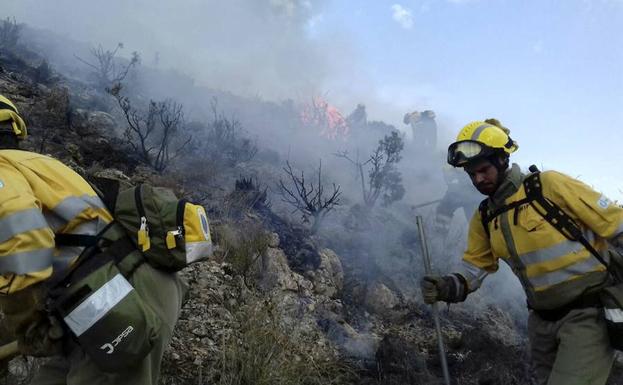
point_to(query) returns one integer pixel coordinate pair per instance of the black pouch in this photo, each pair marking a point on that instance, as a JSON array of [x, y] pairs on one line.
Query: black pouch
[[106, 315], [612, 301]]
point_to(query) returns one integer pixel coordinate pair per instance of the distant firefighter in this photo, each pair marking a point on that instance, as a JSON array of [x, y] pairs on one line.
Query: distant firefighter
[[359, 117], [424, 128]]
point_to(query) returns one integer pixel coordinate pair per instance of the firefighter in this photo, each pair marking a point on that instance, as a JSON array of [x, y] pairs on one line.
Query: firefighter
[[41, 200], [12, 126], [561, 278], [424, 129]]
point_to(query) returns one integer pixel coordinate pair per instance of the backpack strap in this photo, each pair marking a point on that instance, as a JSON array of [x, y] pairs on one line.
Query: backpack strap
[[107, 190], [486, 216], [80, 240], [554, 215]]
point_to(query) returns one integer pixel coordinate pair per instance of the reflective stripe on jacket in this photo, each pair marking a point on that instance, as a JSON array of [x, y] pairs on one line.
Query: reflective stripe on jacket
[[552, 269], [39, 196]]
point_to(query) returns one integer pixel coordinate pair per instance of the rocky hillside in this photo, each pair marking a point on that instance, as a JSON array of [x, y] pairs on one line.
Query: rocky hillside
[[276, 305]]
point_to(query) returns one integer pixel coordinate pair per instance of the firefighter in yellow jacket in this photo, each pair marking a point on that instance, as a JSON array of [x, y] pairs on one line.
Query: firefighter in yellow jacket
[[12, 125], [41, 198], [561, 278]]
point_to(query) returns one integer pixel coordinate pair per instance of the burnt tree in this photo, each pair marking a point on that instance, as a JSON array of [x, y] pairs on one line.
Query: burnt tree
[[309, 198], [108, 69], [9, 33], [152, 133], [383, 178]]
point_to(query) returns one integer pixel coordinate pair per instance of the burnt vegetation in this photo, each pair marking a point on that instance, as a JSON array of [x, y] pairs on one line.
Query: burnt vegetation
[[9, 34], [156, 133], [109, 70], [378, 174], [309, 197], [222, 141]]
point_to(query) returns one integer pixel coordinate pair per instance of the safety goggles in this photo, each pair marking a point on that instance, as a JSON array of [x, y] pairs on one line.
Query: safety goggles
[[462, 152]]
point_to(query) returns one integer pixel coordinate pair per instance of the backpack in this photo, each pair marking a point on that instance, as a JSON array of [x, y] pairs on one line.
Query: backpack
[[171, 233], [95, 298]]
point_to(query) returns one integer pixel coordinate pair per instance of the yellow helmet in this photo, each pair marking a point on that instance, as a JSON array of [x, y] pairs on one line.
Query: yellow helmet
[[478, 140], [10, 115]]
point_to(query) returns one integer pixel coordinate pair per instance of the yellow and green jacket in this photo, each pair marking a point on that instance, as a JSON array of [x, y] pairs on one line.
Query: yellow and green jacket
[[41, 197], [552, 269]]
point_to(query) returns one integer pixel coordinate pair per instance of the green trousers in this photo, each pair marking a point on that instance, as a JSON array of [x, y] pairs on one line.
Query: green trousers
[[572, 351], [162, 291]]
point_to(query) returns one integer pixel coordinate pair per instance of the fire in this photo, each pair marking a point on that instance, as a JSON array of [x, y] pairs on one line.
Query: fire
[[328, 119]]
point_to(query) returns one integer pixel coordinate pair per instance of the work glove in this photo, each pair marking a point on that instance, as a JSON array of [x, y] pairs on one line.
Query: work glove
[[37, 333], [42, 338], [434, 288], [449, 288]]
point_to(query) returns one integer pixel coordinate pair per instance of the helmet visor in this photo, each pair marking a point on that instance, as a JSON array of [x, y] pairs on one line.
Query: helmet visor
[[462, 152]]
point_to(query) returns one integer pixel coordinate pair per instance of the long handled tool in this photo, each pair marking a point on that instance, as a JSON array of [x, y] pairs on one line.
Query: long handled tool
[[9, 350], [427, 267]]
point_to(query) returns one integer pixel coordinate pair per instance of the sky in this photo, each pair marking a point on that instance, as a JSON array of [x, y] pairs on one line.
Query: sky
[[550, 70]]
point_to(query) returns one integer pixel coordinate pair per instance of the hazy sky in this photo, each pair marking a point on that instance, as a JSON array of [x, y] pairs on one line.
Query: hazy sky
[[549, 70]]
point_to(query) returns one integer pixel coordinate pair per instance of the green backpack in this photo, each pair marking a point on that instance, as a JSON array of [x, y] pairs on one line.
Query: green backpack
[[95, 297], [171, 233]]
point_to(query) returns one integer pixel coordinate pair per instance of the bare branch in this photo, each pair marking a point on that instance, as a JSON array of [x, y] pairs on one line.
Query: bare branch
[[151, 133], [108, 69], [383, 176], [308, 198]]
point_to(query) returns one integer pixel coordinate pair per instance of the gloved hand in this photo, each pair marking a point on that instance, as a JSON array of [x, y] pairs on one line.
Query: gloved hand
[[37, 333], [434, 288], [449, 288], [42, 338]]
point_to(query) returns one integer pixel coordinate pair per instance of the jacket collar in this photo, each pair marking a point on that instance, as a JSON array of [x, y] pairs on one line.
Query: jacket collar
[[513, 179]]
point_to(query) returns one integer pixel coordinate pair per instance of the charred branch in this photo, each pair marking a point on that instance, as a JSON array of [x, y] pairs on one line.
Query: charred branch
[[309, 198], [383, 177], [107, 67], [152, 133], [9, 33]]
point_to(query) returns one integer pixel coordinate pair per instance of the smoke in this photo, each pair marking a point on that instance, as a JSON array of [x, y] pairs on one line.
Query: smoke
[[264, 50], [248, 47]]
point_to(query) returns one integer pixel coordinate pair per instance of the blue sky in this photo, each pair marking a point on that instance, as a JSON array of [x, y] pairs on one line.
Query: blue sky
[[552, 71]]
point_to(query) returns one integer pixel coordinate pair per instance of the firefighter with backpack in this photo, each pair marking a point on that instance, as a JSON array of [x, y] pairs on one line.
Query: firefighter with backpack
[[90, 280], [556, 234]]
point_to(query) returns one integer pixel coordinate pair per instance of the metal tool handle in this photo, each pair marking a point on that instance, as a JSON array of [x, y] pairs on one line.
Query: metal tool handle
[[435, 310]]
